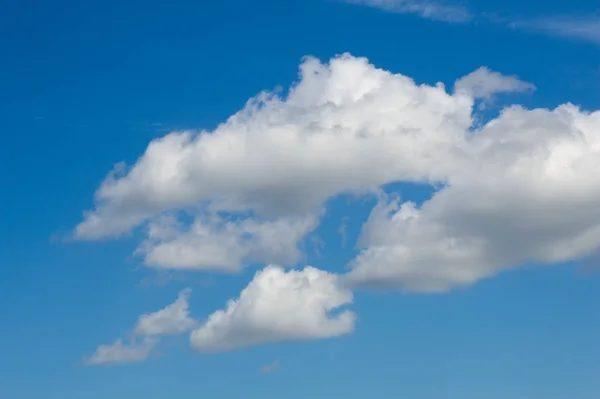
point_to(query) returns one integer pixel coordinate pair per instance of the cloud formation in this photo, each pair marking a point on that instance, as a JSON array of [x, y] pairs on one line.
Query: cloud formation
[[120, 353], [172, 319], [529, 195], [212, 243], [279, 306], [484, 83], [427, 9], [580, 26], [260, 180], [346, 126], [586, 28]]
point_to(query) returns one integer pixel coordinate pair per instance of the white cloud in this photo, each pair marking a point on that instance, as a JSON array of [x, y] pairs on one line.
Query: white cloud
[[530, 195], [278, 306], [212, 243], [424, 8], [119, 353], [173, 319], [484, 83], [581, 28], [521, 188], [345, 126]]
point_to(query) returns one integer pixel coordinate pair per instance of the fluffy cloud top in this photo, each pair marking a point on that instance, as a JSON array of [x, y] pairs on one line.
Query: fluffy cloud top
[[278, 306], [173, 319], [346, 126], [484, 83]]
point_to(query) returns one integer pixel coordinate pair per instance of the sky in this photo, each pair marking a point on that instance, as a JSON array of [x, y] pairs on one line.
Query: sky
[[316, 199]]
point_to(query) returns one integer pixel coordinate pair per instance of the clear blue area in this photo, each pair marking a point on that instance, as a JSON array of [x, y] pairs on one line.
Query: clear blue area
[[86, 84]]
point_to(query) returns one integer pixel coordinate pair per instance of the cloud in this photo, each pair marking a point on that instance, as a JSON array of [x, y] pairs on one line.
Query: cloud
[[173, 319], [529, 196], [426, 9], [519, 189], [212, 243], [273, 164], [484, 83], [279, 306], [578, 27], [119, 353], [572, 27], [269, 368], [346, 126]]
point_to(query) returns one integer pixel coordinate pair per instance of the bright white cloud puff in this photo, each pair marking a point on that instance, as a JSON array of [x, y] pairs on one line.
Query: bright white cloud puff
[[279, 306]]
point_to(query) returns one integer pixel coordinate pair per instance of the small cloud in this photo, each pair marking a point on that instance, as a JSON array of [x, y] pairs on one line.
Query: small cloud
[[425, 9], [269, 368], [276, 306], [484, 83], [343, 231], [120, 353], [173, 319], [583, 28]]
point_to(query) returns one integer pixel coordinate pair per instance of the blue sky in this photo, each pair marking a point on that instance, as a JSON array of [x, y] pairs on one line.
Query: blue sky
[[512, 313]]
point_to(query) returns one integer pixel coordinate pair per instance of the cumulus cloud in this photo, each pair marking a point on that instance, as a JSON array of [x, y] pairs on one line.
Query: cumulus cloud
[[484, 83], [346, 126], [424, 8], [530, 195], [212, 243], [279, 306], [173, 319], [119, 353], [521, 188]]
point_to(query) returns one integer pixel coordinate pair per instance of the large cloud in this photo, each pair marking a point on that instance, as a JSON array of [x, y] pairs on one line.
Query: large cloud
[[521, 188], [345, 126], [279, 306], [531, 195]]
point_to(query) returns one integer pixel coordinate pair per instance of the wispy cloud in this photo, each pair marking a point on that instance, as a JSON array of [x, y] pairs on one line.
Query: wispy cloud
[[170, 320], [120, 353], [268, 368], [426, 9], [580, 28]]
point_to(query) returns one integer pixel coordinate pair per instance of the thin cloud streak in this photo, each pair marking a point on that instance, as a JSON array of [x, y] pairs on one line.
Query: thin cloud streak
[[425, 9], [584, 28]]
